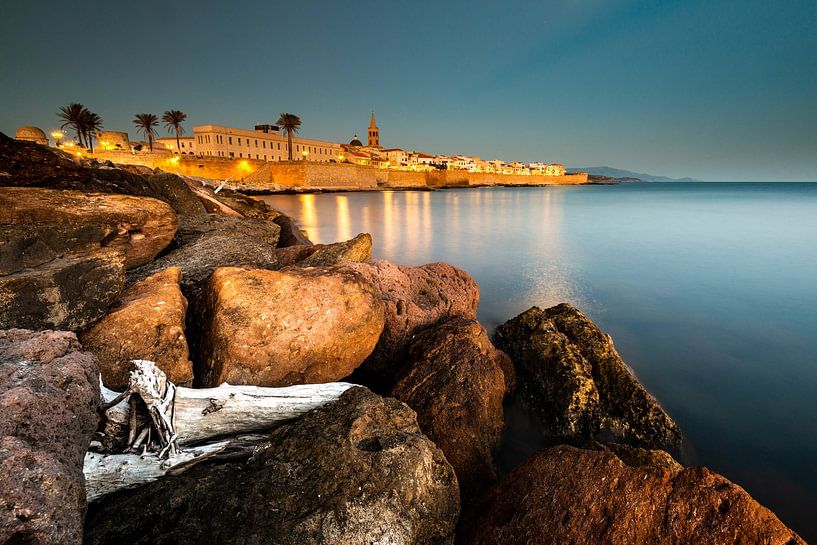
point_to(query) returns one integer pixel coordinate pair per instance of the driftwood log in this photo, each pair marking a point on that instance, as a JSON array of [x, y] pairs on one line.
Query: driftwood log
[[156, 428]]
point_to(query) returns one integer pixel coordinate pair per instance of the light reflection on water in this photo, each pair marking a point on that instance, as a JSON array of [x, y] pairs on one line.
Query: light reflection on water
[[709, 290]]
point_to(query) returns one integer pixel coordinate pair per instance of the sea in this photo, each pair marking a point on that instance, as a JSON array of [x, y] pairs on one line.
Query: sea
[[709, 291]]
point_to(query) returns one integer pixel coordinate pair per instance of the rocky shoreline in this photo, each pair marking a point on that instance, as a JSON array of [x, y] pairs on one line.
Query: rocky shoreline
[[102, 266]]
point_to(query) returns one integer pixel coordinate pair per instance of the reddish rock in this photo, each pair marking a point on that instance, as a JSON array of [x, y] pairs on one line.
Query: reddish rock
[[70, 292], [295, 326], [456, 384], [70, 221], [415, 298], [147, 324], [49, 393], [566, 495], [572, 376], [357, 471]]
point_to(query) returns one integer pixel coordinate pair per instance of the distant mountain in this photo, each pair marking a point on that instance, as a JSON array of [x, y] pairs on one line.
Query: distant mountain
[[610, 172]]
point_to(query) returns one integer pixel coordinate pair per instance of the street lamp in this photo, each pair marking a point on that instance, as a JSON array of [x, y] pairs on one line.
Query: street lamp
[[57, 135], [305, 154]]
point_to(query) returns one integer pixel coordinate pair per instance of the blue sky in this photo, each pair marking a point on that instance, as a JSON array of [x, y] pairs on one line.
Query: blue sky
[[714, 90]]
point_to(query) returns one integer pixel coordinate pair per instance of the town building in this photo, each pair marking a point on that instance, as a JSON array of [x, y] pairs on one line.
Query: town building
[[186, 144], [31, 134], [374, 133], [264, 142]]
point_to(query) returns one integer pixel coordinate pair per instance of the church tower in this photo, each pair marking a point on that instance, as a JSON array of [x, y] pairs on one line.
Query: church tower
[[374, 133]]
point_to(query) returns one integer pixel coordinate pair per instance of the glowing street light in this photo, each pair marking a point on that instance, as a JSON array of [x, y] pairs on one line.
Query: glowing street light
[[57, 135], [305, 154]]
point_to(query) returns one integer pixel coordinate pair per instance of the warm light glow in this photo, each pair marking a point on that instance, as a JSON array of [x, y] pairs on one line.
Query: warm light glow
[[69, 144], [305, 153], [244, 165], [175, 160], [57, 135]]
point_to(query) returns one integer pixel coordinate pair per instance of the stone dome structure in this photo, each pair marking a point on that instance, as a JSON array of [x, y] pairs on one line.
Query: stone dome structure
[[355, 142], [31, 134]]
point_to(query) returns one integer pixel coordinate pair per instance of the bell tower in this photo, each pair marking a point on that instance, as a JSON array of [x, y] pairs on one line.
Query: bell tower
[[374, 133]]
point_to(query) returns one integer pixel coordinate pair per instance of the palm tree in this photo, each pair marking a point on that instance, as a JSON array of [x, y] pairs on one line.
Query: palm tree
[[146, 124], [173, 119], [90, 123], [290, 123], [72, 116]]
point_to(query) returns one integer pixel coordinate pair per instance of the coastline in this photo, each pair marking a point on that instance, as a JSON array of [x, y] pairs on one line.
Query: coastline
[[201, 284]]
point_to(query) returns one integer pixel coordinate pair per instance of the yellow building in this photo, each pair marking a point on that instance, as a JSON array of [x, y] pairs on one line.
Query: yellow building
[[265, 142]]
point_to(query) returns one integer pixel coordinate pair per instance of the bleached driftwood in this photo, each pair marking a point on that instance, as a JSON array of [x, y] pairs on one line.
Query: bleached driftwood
[[108, 473], [159, 419], [205, 413]]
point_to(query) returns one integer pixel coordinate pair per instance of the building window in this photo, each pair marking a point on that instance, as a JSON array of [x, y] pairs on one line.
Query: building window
[[230, 139], [239, 140], [256, 143], [241, 154], [232, 154]]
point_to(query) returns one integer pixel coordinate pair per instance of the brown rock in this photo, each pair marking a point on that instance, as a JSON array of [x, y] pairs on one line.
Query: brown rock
[[291, 233], [455, 382], [566, 495], [354, 472], [358, 249], [25, 164], [191, 228], [49, 393], [70, 221], [290, 255], [204, 252], [172, 189], [69, 293], [415, 298], [572, 376], [296, 326], [147, 324]]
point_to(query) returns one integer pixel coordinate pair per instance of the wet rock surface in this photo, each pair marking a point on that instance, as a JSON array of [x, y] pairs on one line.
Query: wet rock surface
[[567, 495], [147, 323], [455, 382], [295, 326], [356, 471], [414, 298], [59, 222], [49, 392], [572, 376], [68, 293]]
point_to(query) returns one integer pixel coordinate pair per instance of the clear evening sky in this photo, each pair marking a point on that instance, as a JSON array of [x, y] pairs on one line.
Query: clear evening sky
[[718, 90]]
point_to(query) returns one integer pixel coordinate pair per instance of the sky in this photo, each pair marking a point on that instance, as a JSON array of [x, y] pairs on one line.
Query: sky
[[713, 90]]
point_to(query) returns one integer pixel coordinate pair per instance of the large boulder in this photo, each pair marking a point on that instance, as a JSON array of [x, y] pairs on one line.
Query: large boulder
[[291, 233], [456, 384], [358, 249], [567, 495], [354, 472], [70, 292], [49, 393], [147, 324], [193, 227], [415, 298], [205, 250], [572, 376], [59, 222], [25, 164], [295, 326], [172, 189]]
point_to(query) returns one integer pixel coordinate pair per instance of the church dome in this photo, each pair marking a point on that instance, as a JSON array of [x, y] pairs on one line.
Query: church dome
[[31, 134], [355, 142]]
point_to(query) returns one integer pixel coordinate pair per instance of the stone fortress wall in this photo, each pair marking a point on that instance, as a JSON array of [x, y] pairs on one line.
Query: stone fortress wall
[[259, 175]]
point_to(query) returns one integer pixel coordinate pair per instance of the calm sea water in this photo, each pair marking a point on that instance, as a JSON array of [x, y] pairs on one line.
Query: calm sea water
[[709, 291]]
